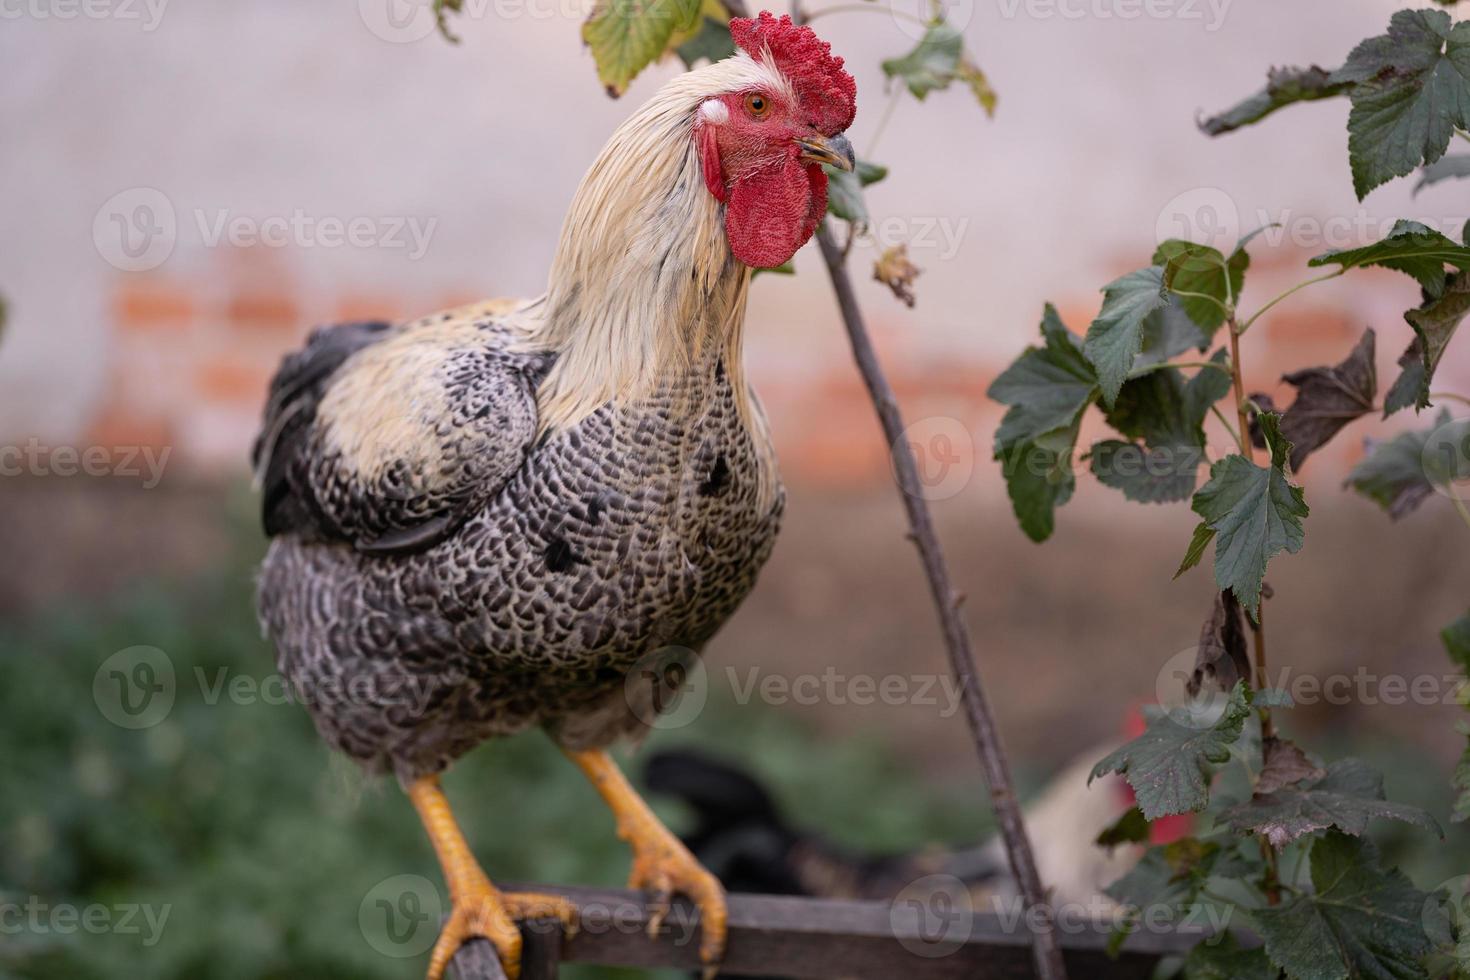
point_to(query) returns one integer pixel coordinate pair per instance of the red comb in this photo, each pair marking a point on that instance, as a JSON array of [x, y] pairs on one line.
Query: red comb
[[825, 90]]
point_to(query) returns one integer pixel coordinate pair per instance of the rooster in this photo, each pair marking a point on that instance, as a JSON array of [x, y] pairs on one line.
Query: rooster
[[490, 520]]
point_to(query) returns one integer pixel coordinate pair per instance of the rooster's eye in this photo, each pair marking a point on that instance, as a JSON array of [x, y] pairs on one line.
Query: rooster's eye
[[757, 105]]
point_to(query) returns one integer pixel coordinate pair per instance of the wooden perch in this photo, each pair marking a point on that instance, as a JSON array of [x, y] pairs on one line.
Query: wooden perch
[[808, 938]]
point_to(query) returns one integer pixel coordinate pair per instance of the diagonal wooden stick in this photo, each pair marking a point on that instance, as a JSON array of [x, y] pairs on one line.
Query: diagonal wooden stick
[[1040, 917]]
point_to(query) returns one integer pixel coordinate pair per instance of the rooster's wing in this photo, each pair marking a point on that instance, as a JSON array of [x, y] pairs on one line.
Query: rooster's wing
[[388, 437]]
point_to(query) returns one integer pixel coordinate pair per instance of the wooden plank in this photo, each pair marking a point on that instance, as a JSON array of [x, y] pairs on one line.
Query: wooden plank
[[815, 938]]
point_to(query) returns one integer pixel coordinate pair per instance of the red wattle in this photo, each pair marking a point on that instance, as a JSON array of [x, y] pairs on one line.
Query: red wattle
[[709, 162], [773, 213]]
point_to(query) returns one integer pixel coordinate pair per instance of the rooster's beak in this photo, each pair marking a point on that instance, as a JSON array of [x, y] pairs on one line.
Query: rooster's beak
[[834, 151]]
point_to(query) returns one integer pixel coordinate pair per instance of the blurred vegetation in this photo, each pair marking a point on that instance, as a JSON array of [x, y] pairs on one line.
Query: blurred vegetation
[[263, 845]]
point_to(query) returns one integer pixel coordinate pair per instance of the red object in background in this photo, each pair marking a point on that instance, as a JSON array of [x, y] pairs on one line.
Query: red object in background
[[1164, 830]]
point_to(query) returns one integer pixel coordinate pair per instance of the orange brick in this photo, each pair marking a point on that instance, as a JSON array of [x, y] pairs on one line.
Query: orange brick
[[230, 381], [263, 311], [152, 305], [116, 425]]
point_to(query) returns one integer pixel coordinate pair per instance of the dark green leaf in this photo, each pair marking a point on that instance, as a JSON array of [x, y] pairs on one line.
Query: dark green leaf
[[1412, 385], [1436, 323], [1047, 389], [1456, 637], [1221, 958], [1410, 89], [845, 198], [1170, 876], [1167, 413], [1400, 474], [1327, 399], [1167, 333], [1446, 168], [1461, 780], [1410, 248], [627, 35], [932, 65], [870, 173], [1170, 765], [1038, 481], [1284, 86], [1198, 542], [712, 42], [1257, 513], [1361, 921], [1347, 797], [1130, 828], [1116, 336], [1194, 268]]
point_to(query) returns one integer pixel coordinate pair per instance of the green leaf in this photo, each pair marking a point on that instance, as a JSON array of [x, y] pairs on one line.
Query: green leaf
[[1361, 921], [1410, 89], [1411, 387], [1347, 798], [1167, 333], [1221, 958], [1327, 399], [1257, 512], [1047, 388], [1198, 542], [1435, 324], [1167, 413], [932, 65], [1170, 765], [1461, 780], [1400, 474], [712, 42], [1446, 168], [1456, 637], [845, 198], [1130, 828], [1194, 268], [1284, 86], [869, 173], [1116, 336], [441, 8], [1170, 876], [627, 35], [1410, 248], [1038, 481]]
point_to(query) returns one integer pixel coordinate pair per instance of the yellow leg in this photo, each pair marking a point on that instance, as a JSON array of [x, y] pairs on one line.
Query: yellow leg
[[661, 863], [478, 907]]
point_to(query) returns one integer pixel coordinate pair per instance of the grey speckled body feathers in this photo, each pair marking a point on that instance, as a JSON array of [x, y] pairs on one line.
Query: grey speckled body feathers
[[443, 570]]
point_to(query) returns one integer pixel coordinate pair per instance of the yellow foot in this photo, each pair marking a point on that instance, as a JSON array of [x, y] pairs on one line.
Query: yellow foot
[[661, 863], [664, 866], [488, 913]]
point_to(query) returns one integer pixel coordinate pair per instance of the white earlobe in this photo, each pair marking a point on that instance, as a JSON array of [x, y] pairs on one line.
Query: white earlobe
[[714, 111]]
